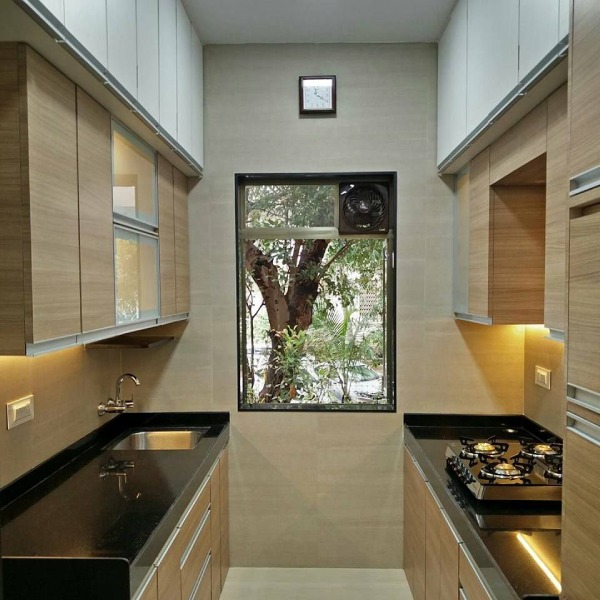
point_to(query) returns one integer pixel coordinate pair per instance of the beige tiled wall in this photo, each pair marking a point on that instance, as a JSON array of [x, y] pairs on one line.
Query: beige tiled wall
[[547, 407], [67, 388], [326, 489]]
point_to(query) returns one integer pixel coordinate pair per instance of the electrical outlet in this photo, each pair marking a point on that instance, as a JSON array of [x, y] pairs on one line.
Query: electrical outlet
[[19, 411], [542, 377]]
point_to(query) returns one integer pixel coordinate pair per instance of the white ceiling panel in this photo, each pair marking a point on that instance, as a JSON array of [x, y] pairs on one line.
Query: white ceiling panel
[[318, 21]]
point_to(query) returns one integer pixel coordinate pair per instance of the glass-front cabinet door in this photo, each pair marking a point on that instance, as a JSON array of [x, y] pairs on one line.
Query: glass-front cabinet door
[[135, 217]]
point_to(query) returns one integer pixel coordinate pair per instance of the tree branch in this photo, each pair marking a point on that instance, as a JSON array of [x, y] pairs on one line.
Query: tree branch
[[337, 255]]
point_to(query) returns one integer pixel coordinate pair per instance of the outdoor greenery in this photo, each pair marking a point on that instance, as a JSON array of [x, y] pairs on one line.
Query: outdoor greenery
[[314, 317]]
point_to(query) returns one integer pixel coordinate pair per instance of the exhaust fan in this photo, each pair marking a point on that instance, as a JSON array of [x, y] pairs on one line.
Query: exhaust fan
[[364, 208]]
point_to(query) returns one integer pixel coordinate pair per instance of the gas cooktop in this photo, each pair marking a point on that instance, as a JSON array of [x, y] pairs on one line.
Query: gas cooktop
[[507, 469]]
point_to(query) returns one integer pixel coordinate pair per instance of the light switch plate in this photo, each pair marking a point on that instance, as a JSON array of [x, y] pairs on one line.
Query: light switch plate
[[542, 377], [19, 411]]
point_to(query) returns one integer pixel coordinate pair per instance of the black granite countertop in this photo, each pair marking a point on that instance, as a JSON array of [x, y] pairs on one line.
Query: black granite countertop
[[505, 565], [108, 506]]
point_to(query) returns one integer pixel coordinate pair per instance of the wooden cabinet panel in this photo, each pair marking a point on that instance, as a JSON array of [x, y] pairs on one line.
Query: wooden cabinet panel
[[184, 77], [166, 228], [518, 262], [557, 193], [415, 494], [224, 500], [167, 49], [480, 235], [449, 562], [12, 304], [182, 250], [493, 32], [584, 299], [150, 590], [433, 523], [195, 557], [538, 32], [584, 82], [122, 42], [215, 534], [195, 514], [520, 144], [49, 147], [580, 577], [203, 591], [452, 82], [469, 580], [95, 215], [147, 56], [87, 22], [168, 568]]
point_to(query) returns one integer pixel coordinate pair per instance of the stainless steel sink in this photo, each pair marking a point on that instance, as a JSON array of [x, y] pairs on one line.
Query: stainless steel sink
[[174, 439]]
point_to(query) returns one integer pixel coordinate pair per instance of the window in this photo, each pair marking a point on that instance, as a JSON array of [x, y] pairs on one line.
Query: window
[[315, 308], [135, 218]]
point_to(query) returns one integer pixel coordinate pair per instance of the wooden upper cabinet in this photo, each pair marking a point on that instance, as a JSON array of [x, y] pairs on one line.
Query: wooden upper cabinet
[[166, 228], [182, 250], [584, 299], [557, 194], [39, 268], [480, 236], [584, 89], [95, 215]]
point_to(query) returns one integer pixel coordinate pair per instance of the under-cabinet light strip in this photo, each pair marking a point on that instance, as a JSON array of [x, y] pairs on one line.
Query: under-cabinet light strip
[[540, 563]]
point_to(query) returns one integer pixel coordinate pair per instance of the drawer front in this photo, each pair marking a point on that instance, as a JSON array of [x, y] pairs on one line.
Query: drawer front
[[195, 513], [202, 590], [149, 589], [169, 582], [195, 556], [471, 586]]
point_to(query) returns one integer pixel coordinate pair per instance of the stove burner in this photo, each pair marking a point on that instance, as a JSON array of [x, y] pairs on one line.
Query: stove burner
[[532, 449], [553, 469], [473, 449], [505, 470]]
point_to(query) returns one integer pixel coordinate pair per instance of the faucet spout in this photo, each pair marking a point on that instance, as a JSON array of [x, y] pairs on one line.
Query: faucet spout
[[118, 404]]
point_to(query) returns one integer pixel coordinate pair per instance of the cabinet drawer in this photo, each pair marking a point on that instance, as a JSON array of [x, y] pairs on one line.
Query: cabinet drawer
[[195, 557], [168, 562], [194, 514], [202, 590], [149, 588], [471, 586]]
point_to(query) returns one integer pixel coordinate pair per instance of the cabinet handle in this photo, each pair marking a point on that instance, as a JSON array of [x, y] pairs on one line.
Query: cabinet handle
[[583, 397], [583, 428], [585, 181], [463, 594]]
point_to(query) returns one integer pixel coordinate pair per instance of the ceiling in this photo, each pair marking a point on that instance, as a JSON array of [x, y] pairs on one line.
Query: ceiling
[[318, 21]]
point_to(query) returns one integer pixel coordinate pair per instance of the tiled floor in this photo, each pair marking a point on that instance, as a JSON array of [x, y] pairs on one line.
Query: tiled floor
[[315, 584]]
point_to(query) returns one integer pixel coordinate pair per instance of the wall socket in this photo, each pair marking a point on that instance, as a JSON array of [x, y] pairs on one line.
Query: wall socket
[[542, 377], [19, 411]]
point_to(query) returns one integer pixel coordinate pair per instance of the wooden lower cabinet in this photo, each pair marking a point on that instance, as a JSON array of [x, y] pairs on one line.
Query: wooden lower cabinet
[[471, 587], [580, 576], [149, 589], [431, 548], [189, 567]]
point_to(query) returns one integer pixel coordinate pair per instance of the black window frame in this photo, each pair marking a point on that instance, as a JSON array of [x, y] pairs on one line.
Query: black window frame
[[386, 177]]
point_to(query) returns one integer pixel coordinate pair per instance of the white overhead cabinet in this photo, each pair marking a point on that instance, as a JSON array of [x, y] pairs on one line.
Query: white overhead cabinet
[[122, 45], [167, 46], [87, 22], [197, 99], [184, 77], [538, 32], [488, 48], [147, 56], [57, 8], [492, 56], [452, 82]]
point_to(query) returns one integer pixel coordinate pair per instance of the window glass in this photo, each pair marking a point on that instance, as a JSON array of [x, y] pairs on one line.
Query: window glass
[[314, 327]]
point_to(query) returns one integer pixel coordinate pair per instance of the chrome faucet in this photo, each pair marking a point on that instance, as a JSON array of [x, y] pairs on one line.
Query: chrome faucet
[[118, 405]]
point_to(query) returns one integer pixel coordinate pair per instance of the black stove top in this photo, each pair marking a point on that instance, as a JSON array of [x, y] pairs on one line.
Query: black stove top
[[508, 468]]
